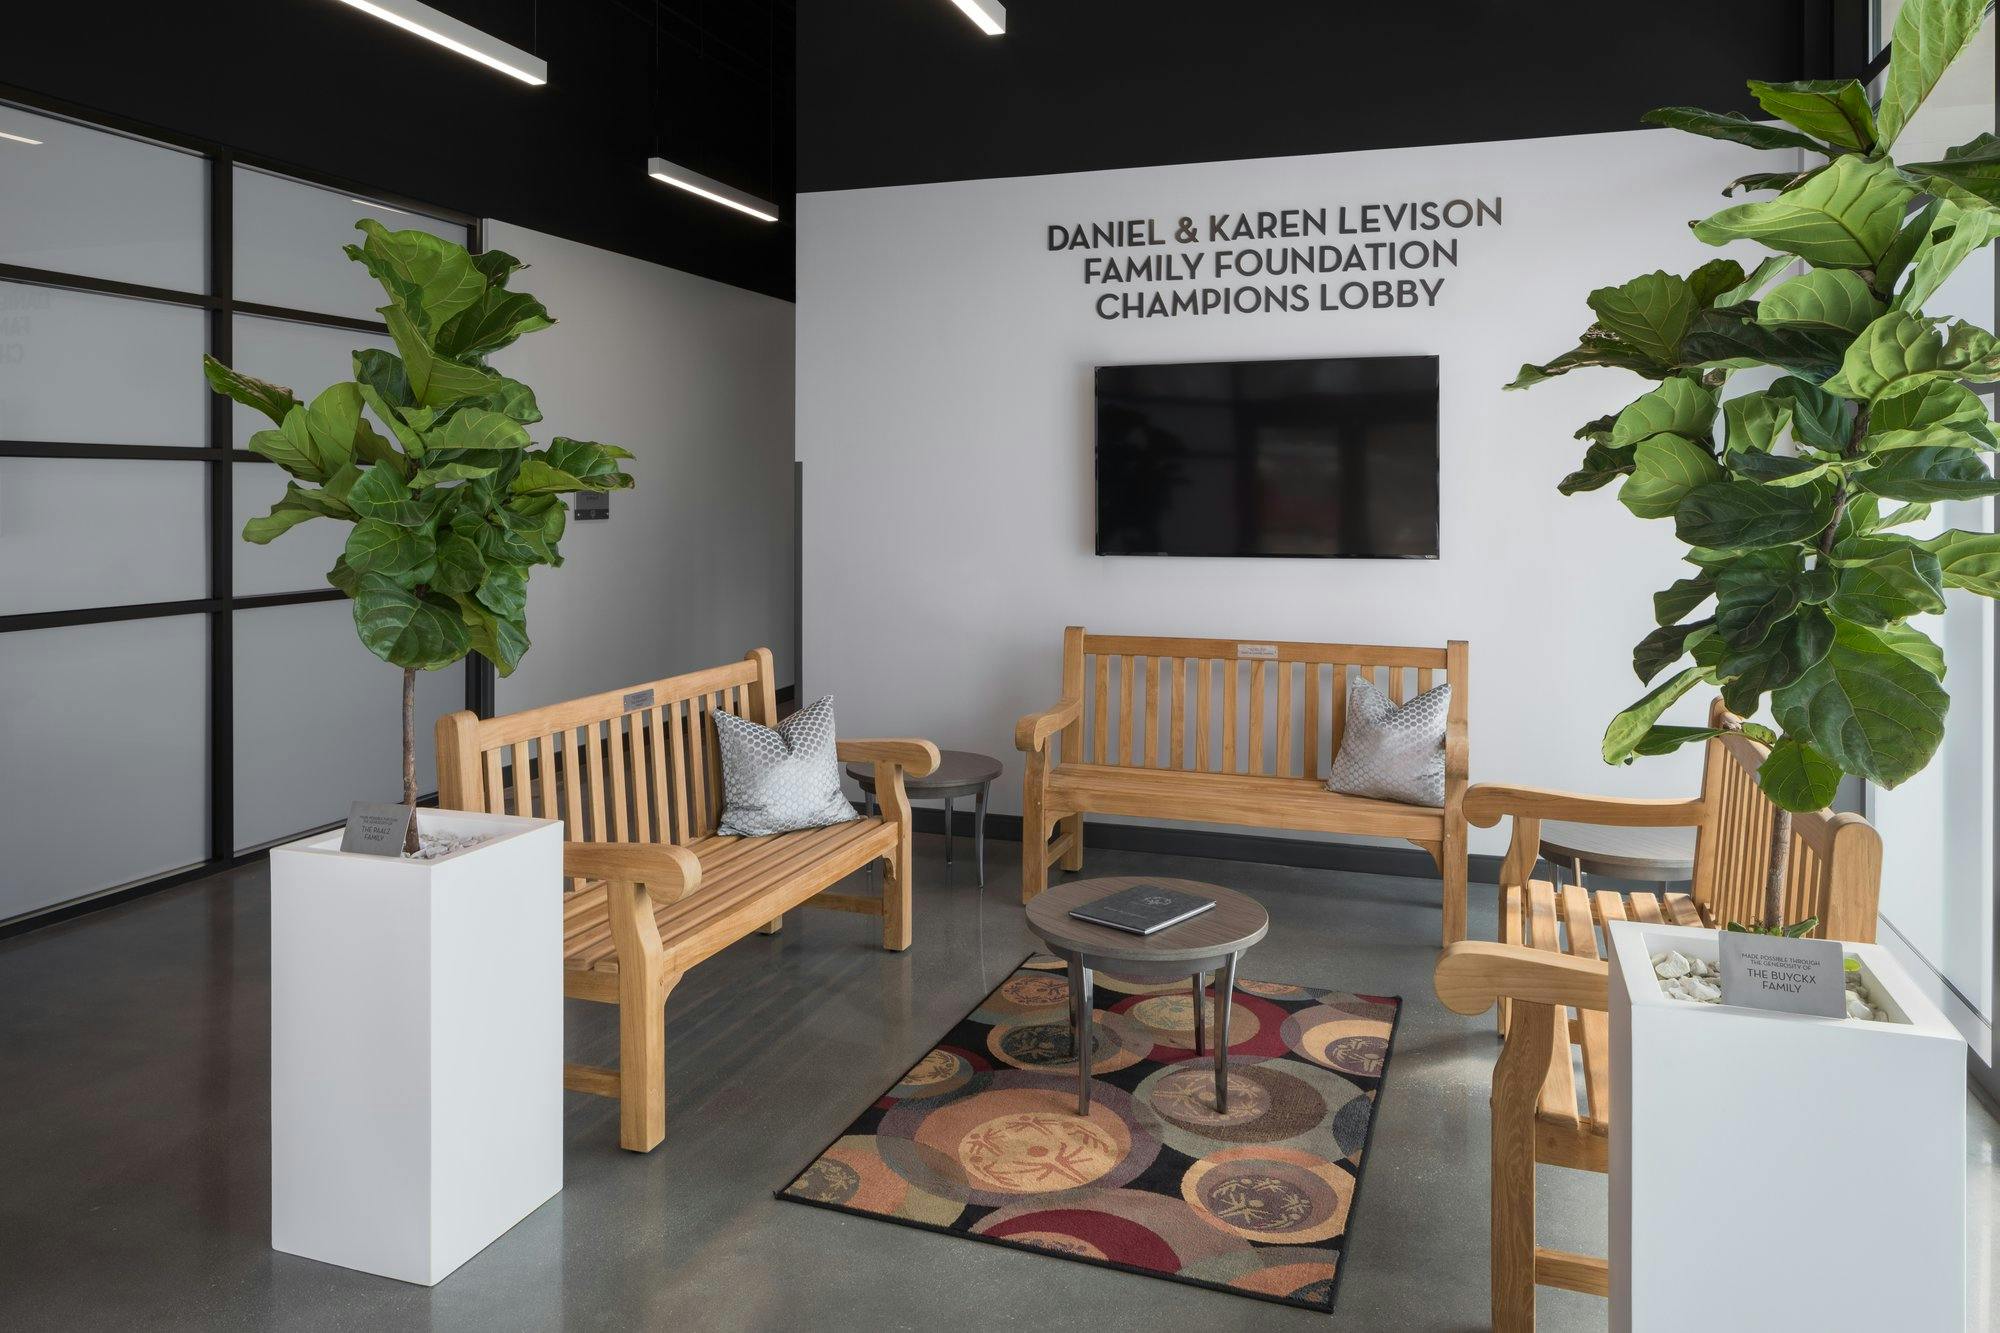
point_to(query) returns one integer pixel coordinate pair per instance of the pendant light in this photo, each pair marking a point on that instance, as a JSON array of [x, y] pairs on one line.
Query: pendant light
[[694, 182], [436, 26], [990, 15]]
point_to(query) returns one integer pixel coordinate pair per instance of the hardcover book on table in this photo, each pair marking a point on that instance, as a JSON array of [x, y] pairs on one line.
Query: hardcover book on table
[[1143, 909]]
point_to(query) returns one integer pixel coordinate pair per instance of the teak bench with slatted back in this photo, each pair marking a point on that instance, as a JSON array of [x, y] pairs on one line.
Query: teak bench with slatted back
[[1246, 741], [1551, 960], [653, 890]]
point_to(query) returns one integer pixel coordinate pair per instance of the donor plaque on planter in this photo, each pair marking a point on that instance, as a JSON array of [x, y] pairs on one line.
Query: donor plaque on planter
[[375, 829], [1796, 976]]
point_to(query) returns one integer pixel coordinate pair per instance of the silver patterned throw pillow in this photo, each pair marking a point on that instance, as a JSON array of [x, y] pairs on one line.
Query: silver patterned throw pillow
[[783, 780], [1392, 753]]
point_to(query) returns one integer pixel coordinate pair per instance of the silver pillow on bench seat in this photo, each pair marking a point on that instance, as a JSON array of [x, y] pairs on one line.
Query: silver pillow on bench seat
[[780, 781], [1389, 752]]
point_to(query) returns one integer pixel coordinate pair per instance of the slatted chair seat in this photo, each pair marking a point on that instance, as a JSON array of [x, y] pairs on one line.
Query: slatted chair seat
[[735, 893], [1550, 960], [1222, 732], [636, 777]]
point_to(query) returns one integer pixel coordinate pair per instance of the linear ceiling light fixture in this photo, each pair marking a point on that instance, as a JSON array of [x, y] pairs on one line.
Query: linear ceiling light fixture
[[990, 15], [468, 41], [18, 138], [727, 195]]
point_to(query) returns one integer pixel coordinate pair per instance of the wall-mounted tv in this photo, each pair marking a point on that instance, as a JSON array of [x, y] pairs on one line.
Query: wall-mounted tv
[[1332, 457]]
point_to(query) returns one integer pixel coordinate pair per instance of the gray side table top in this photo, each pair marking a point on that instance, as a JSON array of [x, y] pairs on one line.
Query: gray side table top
[[1663, 854], [1231, 926], [959, 773]]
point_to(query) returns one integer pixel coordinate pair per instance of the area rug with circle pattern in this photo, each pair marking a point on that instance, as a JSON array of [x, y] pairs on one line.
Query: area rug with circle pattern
[[981, 1137]]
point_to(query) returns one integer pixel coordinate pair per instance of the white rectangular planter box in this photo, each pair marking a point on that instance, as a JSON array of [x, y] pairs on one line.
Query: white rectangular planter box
[[416, 1046], [1782, 1171]]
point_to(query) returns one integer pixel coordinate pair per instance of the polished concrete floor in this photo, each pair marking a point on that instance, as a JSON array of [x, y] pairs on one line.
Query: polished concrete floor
[[134, 1118]]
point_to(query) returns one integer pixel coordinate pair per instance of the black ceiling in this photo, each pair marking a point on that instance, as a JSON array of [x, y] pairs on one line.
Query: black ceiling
[[324, 88], [902, 91]]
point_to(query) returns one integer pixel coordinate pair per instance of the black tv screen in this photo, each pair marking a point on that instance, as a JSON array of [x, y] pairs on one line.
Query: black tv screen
[[1335, 457]]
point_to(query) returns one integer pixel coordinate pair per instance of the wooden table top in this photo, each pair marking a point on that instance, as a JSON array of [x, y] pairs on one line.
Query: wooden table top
[[1631, 853], [956, 768], [1231, 926]]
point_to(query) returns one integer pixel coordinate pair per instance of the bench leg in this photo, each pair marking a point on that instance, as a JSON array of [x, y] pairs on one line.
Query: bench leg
[[772, 927], [1452, 865], [1034, 840], [1072, 825], [642, 1059], [896, 869], [1517, 1083]]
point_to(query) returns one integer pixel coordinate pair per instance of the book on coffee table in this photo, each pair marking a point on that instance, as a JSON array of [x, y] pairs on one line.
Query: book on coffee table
[[1142, 909]]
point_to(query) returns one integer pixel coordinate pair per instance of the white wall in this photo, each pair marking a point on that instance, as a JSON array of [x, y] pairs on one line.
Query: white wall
[[695, 566], [944, 420]]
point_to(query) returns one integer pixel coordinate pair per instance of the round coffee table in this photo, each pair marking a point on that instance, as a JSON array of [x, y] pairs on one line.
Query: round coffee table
[[1211, 942], [959, 773], [1660, 855]]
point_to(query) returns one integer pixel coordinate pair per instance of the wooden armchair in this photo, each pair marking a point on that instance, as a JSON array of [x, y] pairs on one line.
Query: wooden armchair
[[1550, 961]]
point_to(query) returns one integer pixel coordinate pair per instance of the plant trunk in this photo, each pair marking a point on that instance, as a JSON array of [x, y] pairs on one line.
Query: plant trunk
[[1780, 862], [410, 755]]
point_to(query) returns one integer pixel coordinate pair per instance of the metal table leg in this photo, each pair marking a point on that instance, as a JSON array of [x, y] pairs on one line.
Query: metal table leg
[[1200, 1018], [1225, 995], [979, 833], [1079, 989], [947, 830]]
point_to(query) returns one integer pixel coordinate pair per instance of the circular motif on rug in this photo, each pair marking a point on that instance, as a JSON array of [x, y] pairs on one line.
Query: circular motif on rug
[[1279, 1196], [1273, 990], [1169, 1018], [1281, 1101], [1339, 1040], [1046, 1046], [852, 1174], [1131, 1227], [1027, 993], [944, 1071], [1015, 1135]]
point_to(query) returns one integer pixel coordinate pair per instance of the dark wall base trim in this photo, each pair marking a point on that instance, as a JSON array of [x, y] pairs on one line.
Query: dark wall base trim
[[1262, 848]]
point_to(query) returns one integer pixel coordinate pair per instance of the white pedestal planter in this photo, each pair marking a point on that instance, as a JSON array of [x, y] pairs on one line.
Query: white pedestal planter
[[1780, 1171], [416, 1046]]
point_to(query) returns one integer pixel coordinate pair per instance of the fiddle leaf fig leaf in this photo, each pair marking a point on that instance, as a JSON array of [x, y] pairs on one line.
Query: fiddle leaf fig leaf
[[1665, 739], [1942, 473], [1680, 406], [1683, 596], [1891, 352], [1833, 110], [460, 567], [1928, 36], [1845, 217], [1753, 422], [478, 428], [1602, 465], [1649, 313], [403, 554], [420, 631], [333, 420], [1893, 587], [1956, 233], [1732, 126], [1867, 707], [1797, 777], [1819, 419], [1969, 560], [380, 494], [1629, 728], [273, 400], [434, 278], [1662, 648], [492, 322], [1745, 515], [1928, 412], [1666, 469], [1825, 298], [1973, 166]]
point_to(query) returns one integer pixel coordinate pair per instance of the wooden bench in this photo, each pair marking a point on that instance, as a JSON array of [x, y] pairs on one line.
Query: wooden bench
[[1551, 960], [1227, 732], [653, 890]]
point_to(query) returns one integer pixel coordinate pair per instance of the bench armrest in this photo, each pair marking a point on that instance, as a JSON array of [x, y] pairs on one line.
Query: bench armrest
[[1474, 974], [1486, 803], [915, 757], [1032, 732], [669, 873]]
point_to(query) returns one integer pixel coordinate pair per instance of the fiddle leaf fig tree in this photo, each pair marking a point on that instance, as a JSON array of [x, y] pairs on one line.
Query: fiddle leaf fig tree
[[1789, 496], [455, 506]]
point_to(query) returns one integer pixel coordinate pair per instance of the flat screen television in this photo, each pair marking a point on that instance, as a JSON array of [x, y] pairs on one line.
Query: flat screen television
[[1331, 457]]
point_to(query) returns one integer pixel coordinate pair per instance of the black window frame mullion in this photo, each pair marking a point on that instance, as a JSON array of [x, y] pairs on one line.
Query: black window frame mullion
[[219, 454]]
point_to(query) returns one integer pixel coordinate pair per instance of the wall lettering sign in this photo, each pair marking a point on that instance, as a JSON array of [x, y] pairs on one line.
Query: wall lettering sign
[[1371, 256]]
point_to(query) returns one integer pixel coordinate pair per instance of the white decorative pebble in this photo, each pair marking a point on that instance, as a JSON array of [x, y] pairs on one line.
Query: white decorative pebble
[[1676, 965], [433, 846]]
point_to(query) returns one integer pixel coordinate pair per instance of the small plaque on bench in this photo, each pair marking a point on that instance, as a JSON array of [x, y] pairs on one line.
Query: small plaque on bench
[[638, 699], [374, 829], [1793, 976], [1266, 652]]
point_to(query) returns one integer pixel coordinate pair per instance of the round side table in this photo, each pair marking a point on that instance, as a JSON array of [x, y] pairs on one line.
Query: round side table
[[1660, 855], [959, 773], [1211, 942]]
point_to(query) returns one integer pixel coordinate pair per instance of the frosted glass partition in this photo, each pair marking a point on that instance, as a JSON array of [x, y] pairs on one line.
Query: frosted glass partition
[[305, 358], [80, 368], [98, 204], [288, 245], [81, 532], [295, 562], [319, 720], [105, 731]]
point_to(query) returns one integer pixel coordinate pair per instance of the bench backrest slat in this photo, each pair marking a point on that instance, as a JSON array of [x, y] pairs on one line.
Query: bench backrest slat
[[1835, 869], [1276, 709], [633, 765]]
